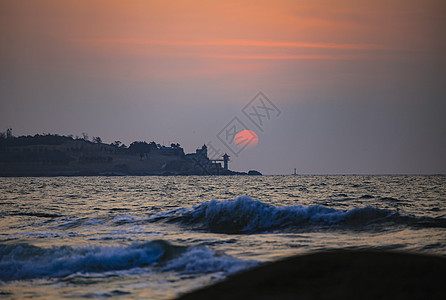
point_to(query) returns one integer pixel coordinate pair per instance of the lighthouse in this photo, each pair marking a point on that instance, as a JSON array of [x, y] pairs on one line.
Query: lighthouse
[[225, 161]]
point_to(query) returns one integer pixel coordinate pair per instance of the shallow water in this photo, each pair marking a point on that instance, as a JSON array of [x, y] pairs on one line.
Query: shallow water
[[156, 237]]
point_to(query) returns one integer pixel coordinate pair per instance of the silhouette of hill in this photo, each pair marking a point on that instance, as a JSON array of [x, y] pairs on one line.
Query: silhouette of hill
[[56, 155]]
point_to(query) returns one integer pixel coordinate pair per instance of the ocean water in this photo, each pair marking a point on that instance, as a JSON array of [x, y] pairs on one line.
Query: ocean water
[[158, 237]]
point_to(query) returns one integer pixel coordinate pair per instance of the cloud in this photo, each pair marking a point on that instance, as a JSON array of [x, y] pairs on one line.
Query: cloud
[[278, 44], [242, 49]]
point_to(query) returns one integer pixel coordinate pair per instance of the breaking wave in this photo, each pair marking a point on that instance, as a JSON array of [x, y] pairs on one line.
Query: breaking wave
[[246, 215], [24, 261]]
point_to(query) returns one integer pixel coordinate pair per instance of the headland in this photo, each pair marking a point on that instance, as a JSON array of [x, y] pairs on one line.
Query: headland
[[56, 155]]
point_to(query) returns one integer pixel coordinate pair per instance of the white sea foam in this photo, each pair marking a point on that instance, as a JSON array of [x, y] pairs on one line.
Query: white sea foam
[[24, 261]]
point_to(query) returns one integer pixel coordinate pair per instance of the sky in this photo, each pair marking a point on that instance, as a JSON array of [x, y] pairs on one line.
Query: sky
[[346, 87]]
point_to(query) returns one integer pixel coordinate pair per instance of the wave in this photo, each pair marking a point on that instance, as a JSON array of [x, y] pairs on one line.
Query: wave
[[24, 261], [204, 260], [34, 214], [246, 215]]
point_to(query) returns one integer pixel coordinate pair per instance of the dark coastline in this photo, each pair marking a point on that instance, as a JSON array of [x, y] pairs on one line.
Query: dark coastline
[[359, 274], [54, 156], [107, 173]]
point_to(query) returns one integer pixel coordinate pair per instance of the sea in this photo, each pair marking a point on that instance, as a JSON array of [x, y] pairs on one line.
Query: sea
[[159, 237]]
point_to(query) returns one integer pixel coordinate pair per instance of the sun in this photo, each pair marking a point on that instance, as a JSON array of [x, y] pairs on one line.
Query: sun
[[246, 139]]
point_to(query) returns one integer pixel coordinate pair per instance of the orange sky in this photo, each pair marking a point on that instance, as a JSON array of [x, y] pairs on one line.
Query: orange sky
[[205, 31], [365, 73]]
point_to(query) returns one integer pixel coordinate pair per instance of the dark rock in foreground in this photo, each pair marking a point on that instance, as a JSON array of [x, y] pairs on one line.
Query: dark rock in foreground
[[337, 275]]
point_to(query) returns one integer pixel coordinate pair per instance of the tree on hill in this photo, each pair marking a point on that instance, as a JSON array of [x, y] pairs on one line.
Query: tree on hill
[[6, 134], [9, 133], [116, 144], [142, 147], [38, 139]]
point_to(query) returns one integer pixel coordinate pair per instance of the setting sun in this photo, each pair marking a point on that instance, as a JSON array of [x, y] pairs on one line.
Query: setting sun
[[246, 139]]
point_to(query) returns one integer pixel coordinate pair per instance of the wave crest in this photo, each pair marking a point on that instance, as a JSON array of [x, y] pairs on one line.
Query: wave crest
[[24, 261], [246, 215]]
